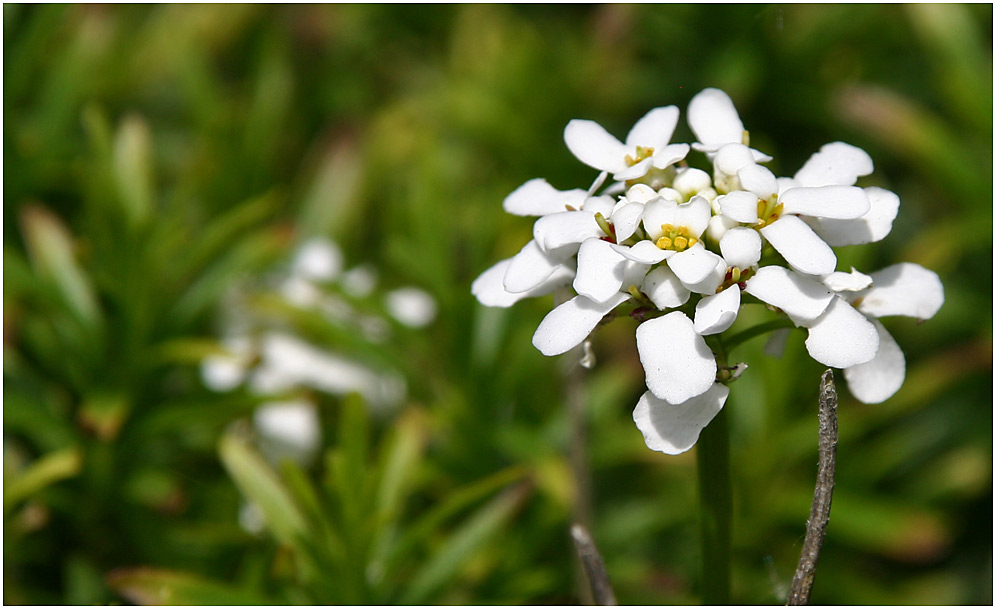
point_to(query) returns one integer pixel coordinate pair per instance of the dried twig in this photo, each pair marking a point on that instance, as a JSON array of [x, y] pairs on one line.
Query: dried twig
[[594, 567], [818, 518]]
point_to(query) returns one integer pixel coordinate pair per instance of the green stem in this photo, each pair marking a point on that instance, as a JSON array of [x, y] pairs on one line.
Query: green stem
[[716, 509], [756, 330]]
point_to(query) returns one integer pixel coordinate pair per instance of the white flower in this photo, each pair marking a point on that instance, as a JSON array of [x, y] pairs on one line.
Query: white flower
[[677, 362], [840, 164], [773, 206], [902, 289], [715, 122], [646, 147], [838, 335]]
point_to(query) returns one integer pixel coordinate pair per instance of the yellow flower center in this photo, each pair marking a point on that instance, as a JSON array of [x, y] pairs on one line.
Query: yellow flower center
[[675, 239], [768, 210], [641, 155]]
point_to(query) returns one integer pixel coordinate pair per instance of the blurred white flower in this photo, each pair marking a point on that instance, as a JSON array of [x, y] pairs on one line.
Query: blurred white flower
[[288, 430], [411, 306], [360, 281], [318, 259], [227, 371]]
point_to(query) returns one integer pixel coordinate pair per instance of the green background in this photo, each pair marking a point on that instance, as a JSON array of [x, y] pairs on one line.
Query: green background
[[154, 155]]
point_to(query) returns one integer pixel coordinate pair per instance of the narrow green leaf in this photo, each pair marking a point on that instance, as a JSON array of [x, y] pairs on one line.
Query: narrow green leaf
[[133, 169], [463, 544], [51, 249], [401, 457], [453, 503], [44, 472], [260, 485], [158, 587]]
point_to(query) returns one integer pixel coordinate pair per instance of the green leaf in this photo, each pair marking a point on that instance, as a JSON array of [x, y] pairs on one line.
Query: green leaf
[[447, 563], [453, 503], [260, 485], [154, 586], [52, 253], [133, 169], [42, 473]]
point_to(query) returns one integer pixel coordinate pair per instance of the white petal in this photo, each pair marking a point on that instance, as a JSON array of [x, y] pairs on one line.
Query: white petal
[[633, 274], [654, 129], [882, 376], [664, 289], [528, 268], [690, 181], [847, 281], [657, 213], [569, 227], [594, 146], [786, 183], [635, 171], [570, 323], [741, 247], [732, 157], [599, 270], [597, 183], [800, 245], [489, 289], [799, 296], [760, 157], [869, 228], [694, 264], [599, 204], [842, 337], [640, 193], [670, 194], [673, 429], [837, 202], [835, 164], [758, 180], [715, 314], [903, 289], [694, 214], [644, 252], [677, 362], [668, 155], [714, 119], [626, 219], [718, 225], [710, 283], [740, 205], [537, 197]]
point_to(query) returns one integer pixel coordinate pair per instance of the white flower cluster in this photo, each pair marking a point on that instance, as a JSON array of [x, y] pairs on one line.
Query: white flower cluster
[[267, 357], [687, 247]]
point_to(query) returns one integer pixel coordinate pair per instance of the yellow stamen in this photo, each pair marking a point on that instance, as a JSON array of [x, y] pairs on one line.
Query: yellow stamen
[[664, 243], [680, 243]]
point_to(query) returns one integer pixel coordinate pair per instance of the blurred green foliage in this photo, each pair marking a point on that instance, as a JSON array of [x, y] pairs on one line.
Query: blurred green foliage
[[155, 155]]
